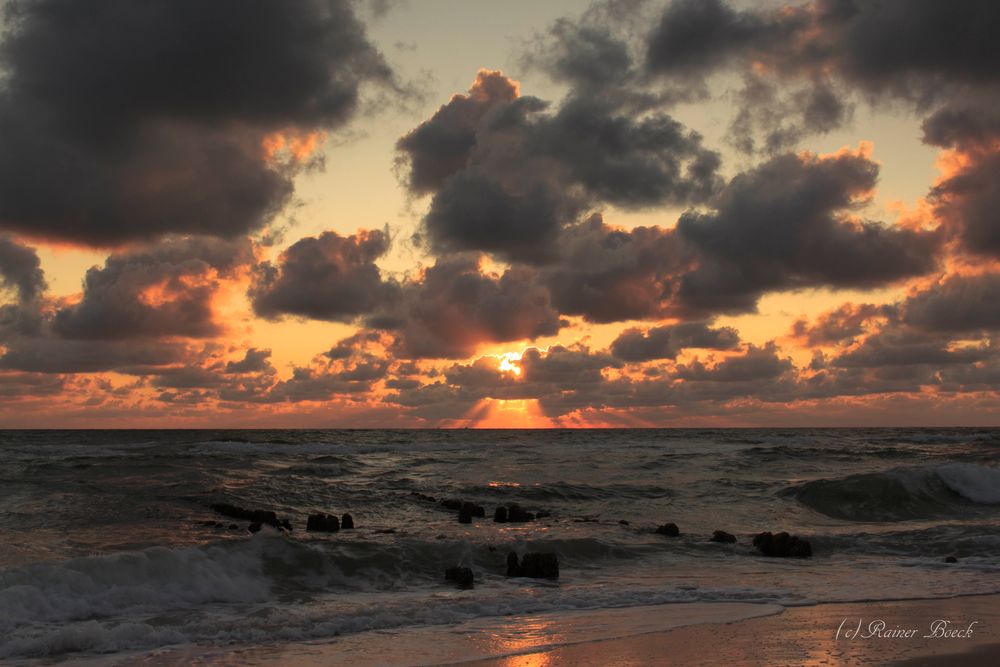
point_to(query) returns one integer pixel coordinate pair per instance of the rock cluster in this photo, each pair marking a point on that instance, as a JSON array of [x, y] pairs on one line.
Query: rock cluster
[[782, 545]]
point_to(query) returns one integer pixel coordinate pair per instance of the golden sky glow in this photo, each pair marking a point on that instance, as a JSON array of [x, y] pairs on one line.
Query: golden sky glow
[[467, 221]]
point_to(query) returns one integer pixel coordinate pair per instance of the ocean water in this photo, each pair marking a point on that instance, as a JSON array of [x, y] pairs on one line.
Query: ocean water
[[105, 551]]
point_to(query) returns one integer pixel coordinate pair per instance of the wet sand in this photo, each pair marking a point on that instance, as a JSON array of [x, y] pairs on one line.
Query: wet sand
[[800, 636]]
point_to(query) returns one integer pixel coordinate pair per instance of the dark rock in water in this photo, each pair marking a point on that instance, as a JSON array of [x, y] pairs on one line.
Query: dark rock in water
[[469, 510], [541, 514], [535, 565], [723, 536], [423, 496], [323, 523], [233, 526], [500, 515], [460, 575], [668, 529], [951, 559], [513, 565], [254, 527], [782, 545], [386, 531], [347, 522], [517, 515], [451, 504], [286, 524], [209, 523], [254, 516], [623, 522]]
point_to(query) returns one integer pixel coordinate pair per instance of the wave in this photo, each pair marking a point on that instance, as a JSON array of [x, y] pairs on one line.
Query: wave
[[566, 491], [902, 493], [269, 588]]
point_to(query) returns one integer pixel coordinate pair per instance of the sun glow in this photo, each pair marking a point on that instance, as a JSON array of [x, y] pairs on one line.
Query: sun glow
[[509, 363], [515, 413]]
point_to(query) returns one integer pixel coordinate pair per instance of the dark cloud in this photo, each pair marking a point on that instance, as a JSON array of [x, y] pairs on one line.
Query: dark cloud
[[162, 290], [20, 269], [30, 385], [968, 202], [508, 173], [958, 303], [756, 363], [455, 307], [128, 121], [695, 37], [900, 346], [607, 275], [441, 146], [785, 225], [54, 355], [666, 342], [839, 325], [254, 361], [329, 277], [770, 121], [933, 46]]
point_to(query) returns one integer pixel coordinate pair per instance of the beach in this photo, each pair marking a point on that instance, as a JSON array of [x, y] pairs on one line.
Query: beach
[[798, 636]]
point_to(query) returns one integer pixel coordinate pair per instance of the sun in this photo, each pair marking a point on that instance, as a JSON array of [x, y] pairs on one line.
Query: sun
[[509, 363]]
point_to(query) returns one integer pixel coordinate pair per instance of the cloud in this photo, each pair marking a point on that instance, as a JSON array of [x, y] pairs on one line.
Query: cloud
[[756, 363], [20, 269], [842, 324], [54, 355], [786, 225], [329, 277], [454, 307], [968, 200], [162, 290], [254, 361], [606, 274], [507, 173], [129, 121], [667, 342], [958, 303], [441, 146]]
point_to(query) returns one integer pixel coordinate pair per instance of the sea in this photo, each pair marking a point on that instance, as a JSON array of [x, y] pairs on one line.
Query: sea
[[110, 552]]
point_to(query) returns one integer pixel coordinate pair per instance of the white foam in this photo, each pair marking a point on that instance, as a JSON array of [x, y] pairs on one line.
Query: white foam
[[980, 484]]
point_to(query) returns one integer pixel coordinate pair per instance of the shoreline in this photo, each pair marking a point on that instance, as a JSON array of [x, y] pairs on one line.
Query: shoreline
[[660, 635], [798, 635]]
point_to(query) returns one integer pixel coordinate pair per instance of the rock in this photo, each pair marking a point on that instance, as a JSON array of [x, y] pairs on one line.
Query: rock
[[951, 559], [623, 522], [535, 565], [668, 529], [782, 545], [253, 516], [423, 496], [323, 523], [460, 575], [469, 510], [541, 514], [254, 527], [722, 536], [517, 515], [500, 515], [385, 531], [233, 526], [347, 522], [451, 504], [286, 525]]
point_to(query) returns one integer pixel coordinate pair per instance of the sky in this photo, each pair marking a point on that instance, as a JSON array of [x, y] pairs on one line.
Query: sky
[[433, 213]]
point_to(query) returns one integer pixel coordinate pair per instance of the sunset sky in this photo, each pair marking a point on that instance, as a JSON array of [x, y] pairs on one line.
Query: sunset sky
[[305, 213]]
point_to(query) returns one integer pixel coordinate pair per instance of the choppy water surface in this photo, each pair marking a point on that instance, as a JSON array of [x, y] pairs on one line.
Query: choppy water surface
[[104, 548]]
